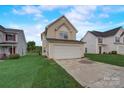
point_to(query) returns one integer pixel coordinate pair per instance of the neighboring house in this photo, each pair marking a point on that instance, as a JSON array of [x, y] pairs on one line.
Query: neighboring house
[[104, 42], [12, 41], [59, 40]]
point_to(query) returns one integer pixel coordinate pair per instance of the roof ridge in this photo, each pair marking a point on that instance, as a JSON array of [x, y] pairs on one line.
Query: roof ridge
[[114, 28], [107, 33], [13, 29]]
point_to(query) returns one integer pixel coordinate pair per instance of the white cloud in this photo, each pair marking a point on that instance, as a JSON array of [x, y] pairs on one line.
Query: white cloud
[[13, 25], [79, 16], [103, 15], [29, 10], [81, 12], [37, 10], [112, 9], [53, 7]]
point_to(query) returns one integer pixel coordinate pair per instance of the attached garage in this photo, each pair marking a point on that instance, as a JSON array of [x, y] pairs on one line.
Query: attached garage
[[121, 49], [66, 50]]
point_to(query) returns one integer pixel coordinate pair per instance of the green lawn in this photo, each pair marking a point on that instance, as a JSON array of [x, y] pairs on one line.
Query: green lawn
[[34, 71], [107, 58]]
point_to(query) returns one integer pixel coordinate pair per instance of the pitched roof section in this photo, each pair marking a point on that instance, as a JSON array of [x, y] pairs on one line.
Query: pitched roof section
[[9, 29], [45, 32], [60, 19], [52, 40], [106, 33], [1, 27]]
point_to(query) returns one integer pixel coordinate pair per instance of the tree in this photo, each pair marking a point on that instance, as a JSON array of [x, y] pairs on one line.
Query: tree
[[31, 46]]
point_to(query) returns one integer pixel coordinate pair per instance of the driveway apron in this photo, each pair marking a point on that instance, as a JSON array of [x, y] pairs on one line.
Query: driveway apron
[[94, 74]]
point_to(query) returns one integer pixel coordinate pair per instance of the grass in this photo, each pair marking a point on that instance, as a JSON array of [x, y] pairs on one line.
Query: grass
[[34, 71], [107, 58]]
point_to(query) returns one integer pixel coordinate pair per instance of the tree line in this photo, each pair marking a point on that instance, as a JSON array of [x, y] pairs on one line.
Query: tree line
[[31, 47]]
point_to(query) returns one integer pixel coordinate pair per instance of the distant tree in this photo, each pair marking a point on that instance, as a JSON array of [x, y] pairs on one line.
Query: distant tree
[[31, 46], [38, 49]]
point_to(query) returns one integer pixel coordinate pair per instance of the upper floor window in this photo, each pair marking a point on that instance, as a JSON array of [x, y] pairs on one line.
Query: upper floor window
[[117, 39], [63, 35], [100, 40], [10, 37]]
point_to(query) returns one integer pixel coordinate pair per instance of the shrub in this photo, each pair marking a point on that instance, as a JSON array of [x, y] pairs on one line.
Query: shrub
[[104, 53], [14, 56], [114, 52], [3, 56]]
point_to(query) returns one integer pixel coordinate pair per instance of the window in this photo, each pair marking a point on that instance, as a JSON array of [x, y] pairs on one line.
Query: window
[[100, 40], [10, 37], [85, 50], [117, 39], [63, 35], [123, 39]]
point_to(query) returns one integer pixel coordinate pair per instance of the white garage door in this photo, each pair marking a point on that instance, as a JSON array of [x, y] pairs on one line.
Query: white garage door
[[121, 49], [67, 52]]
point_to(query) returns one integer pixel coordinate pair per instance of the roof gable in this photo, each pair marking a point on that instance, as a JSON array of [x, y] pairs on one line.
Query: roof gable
[[62, 24], [45, 32]]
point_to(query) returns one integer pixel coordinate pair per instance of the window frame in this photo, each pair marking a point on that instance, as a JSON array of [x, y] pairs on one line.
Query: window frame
[[10, 37], [100, 40], [117, 39], [63, 35]]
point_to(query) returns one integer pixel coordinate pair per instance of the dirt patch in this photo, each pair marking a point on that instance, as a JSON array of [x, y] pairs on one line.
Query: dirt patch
[[85, 62]]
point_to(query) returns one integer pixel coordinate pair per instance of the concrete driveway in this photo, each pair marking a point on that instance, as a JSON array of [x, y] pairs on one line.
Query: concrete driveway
[[94, 74]]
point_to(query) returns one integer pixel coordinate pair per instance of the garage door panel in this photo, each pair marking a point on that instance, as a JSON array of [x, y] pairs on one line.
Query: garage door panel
[[66, 52]]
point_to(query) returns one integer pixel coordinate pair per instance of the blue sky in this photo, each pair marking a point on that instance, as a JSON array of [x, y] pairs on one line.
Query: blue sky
[[33, 19]]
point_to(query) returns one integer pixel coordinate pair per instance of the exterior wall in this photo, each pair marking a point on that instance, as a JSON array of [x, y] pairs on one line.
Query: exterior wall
[[4, 50], [52, 33], [44, 45], [71, 35], [51, 49], [1, 36], [90, 43], [108, 44], [22, 45]]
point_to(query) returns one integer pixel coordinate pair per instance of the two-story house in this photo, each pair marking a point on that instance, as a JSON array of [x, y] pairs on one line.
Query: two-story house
[[12, 41], [107, 41], [59, 40]]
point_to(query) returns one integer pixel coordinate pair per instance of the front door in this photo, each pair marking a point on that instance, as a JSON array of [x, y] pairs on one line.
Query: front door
[[100, 50], [12, 50]]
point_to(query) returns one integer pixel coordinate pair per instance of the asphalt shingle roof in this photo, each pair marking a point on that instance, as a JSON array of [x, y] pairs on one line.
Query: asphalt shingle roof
[[106, 33]]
